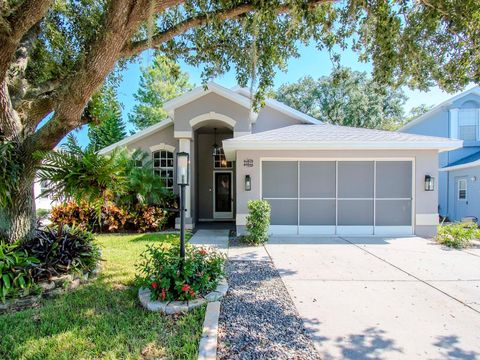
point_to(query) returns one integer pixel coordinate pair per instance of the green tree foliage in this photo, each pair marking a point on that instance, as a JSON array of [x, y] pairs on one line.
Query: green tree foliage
[[161, 81], [107, 126], [346, 97]]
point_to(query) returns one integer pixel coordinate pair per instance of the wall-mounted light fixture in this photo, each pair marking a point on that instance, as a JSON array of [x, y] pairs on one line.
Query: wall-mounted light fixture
[[248, 183], [429, 183]]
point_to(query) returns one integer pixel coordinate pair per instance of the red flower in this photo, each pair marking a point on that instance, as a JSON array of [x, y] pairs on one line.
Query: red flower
[[203, 252], [164, 294], [154, 285], [192, 293], [185, 287]]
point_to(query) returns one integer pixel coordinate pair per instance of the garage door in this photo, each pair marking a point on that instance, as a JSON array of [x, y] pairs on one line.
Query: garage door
[[339, 197]]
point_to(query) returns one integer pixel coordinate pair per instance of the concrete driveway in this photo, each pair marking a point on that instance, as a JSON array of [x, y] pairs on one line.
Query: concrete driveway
[[373, 298]]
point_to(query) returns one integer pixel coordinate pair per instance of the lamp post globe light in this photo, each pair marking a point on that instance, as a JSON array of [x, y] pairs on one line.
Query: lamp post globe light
[[183, 163]]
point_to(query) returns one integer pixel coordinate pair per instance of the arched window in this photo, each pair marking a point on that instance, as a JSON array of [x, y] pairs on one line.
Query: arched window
[[163, 166]]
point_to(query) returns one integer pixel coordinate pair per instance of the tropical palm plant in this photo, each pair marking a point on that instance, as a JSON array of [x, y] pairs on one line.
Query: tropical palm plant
[[80, 174]]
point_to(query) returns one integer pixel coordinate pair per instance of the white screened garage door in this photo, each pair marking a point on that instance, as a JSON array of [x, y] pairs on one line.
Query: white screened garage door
[[339, 197]]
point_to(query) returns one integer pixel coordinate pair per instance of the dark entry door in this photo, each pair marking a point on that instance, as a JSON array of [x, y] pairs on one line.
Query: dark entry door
[[223, 195]]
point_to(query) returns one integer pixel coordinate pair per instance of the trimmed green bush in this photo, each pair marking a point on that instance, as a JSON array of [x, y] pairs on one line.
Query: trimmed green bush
[[457, 235], [258, 221], [159, 271]]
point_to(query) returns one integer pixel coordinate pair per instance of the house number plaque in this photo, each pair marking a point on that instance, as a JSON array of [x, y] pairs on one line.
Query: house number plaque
[[248, 162]]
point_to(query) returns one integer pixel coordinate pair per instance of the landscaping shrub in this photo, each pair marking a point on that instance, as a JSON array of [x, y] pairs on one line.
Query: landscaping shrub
[[112, 217], [62, 251], [457, 235], [159, 270], [15, 270], [258, 221]]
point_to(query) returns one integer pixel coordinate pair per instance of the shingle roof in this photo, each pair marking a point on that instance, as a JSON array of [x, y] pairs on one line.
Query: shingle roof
[[334, 133], [326, 136]]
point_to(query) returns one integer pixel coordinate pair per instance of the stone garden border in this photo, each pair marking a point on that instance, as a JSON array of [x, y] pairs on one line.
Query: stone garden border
[[174, 307], [56, 285]]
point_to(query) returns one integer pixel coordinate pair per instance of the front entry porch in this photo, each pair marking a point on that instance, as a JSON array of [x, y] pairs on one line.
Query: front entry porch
[[214, 185]]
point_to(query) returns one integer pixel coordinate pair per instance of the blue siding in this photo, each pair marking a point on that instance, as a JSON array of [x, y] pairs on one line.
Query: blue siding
[[434, 125], [438, 124], [473, 193]]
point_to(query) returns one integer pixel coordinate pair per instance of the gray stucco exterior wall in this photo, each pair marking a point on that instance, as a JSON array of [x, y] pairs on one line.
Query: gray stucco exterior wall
[[212, 103], [269, 119]]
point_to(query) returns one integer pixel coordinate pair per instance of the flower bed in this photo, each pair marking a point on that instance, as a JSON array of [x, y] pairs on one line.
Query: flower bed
[[174, 307], [169, 284]]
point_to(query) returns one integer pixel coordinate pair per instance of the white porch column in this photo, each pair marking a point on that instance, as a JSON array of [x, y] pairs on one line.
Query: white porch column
[[184, 146], [453, 123]]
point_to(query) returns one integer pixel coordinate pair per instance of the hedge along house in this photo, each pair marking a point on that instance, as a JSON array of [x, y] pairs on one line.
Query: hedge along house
[[319, 179]]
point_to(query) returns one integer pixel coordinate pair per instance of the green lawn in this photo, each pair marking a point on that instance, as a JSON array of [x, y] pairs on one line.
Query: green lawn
[[102, 319]]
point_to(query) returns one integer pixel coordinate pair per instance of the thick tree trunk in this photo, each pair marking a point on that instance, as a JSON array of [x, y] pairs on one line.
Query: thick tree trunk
[[18, 220]]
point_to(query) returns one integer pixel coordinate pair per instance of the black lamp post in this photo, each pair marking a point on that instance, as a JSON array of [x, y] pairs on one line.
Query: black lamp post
[[182, 181]]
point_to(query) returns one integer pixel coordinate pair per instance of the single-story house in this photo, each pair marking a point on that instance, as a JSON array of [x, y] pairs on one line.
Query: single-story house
[[459, 177], [318, 178]]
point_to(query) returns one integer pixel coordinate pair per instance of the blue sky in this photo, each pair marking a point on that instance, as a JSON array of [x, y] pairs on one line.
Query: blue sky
[[311, 62]]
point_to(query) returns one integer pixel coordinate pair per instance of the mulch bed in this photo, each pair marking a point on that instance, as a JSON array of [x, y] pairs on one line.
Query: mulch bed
[[258, 319]]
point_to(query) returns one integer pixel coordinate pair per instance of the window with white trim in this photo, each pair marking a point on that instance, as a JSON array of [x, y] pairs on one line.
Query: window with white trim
[[163, 166], [220, 161], [462, 189], [468, 124]]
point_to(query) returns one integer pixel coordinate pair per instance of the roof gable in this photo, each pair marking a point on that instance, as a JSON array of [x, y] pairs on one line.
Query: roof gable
[[455, 99], [201, 91], [138, 136], [281, 107]]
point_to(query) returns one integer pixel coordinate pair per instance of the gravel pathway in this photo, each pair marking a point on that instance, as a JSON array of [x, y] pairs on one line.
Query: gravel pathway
[[258, 320]]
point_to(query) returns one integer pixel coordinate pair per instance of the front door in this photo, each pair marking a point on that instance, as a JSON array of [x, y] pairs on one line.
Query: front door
[[222, 195], [461, 198]]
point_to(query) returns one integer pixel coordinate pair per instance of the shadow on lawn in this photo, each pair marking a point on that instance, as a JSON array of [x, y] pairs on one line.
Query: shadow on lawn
[[99, 319]]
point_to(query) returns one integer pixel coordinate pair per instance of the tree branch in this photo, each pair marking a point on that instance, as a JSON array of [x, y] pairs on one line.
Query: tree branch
[[10, 125], [14, 26], [137, 47]]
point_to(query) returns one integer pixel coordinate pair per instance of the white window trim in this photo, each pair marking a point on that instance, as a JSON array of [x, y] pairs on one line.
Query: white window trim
[[164, 168], [458, 189], [162, 146], [220, 167], [477, 127]]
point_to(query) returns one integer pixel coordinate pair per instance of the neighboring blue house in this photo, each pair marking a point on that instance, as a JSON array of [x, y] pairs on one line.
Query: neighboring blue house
[[459, 173]]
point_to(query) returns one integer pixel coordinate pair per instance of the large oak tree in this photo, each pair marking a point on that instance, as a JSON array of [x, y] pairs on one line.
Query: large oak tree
[[55, 54]]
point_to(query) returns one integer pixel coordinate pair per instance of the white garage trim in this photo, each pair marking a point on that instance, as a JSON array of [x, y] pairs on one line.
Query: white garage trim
[[344, 229]]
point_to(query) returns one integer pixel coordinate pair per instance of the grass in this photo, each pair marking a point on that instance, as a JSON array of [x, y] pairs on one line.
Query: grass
[[102, 319]]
